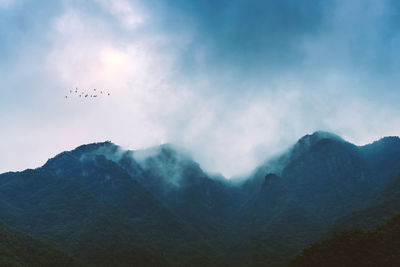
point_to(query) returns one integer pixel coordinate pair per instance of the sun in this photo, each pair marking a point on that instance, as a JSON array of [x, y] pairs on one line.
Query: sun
[[114, 64]]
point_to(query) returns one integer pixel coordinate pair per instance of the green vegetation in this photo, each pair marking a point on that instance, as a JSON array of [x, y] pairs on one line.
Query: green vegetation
[[19, 249], [378, 247], [104, 218], [384, 204], [107, 209]]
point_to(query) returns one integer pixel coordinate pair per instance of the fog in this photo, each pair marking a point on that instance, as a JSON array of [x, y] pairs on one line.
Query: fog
[[233, 82]]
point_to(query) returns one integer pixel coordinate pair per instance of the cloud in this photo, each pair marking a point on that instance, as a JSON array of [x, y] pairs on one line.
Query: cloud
[[243, 36], [232, 81], [125, 11]]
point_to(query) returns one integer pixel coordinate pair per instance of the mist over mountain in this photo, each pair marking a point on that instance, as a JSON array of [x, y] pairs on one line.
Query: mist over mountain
[[158, 207], [321, 178], [206, 105]]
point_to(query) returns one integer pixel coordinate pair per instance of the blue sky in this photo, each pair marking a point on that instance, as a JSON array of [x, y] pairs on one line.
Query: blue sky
[[232, 81]]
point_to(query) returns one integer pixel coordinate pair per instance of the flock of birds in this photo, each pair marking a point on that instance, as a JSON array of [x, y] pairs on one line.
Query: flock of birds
[[85, 94]]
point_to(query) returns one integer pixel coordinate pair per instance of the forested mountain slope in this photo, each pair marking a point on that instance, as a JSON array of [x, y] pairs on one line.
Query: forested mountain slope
[[158, 207]]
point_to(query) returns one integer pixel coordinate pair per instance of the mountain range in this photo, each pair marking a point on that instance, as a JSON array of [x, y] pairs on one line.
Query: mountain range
[[157, 207]]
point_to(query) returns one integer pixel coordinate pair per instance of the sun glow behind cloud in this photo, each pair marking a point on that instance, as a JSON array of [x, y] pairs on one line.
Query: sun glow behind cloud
[[113, 65]]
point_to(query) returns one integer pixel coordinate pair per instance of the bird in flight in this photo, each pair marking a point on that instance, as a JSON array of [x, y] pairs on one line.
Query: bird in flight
[[86, 93]]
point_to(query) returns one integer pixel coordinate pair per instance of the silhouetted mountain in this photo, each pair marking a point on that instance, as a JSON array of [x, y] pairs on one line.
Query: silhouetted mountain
[[157, 207], [383, 157], [321, 178], [92, 207], [20, 249], [206, 202], [326, 172], [180, 184], [383, 205], [63, 211], [379, 247]]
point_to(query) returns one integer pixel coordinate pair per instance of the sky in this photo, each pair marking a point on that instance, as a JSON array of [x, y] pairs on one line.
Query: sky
[[234, 82]]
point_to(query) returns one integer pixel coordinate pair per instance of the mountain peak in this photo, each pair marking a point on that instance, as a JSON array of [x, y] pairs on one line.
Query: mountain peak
[[94, 147], [312, 139], [387, 140], [318, 136], [384, 149], [69, 158]]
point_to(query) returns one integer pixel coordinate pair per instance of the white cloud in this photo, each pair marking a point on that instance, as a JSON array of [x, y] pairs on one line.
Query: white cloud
[[152, 102], [127, 12]]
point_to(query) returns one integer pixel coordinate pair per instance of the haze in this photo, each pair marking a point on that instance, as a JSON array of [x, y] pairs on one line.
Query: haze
[[234, 82]]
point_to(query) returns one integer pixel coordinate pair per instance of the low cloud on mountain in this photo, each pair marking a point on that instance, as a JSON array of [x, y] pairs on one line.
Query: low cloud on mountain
[[232, 81]]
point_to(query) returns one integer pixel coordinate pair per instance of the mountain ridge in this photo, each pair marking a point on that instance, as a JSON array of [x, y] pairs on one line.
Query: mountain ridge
[[144, 201]]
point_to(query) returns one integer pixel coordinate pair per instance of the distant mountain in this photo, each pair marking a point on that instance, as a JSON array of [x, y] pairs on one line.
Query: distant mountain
[[157, 207], [383, 157], [61, 210], [325, 171], [179, 183], [94, 209], [277, 224], [19, 249], [378, 247], [320, 179]]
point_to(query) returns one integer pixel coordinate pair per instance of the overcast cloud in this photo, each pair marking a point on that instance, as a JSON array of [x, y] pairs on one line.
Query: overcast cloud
[[232, 81]]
